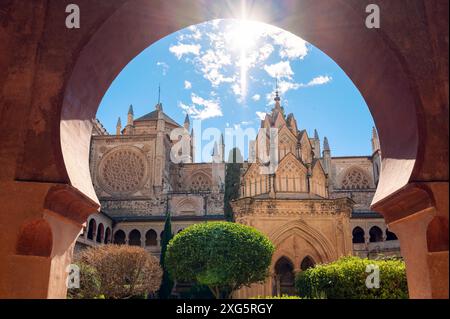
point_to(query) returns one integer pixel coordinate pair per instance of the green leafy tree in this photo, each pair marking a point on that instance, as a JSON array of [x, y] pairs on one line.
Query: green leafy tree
[[346, 279], [221, 255], [167, 283], [232, 181]]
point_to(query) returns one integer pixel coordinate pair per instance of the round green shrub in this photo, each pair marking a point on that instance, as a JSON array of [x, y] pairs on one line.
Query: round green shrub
[[221, 255], [346, 279]]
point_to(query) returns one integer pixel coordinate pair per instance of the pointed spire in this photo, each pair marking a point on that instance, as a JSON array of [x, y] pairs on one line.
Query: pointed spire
[[375, 140], [159, 104], [215, 151], [221, 139], [374, 132], [130, 117], [277, 96], [326, 146], [277, 99], [118, 126], [187, 122], [159, 93], [316, 134]]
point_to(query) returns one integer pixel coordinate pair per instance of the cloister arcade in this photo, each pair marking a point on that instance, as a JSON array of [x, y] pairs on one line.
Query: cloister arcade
[[148, 236]]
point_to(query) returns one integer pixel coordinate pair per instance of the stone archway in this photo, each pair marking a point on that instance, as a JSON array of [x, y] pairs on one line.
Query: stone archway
[[307, 263], [284, 281], [314, 239], [53, 90]]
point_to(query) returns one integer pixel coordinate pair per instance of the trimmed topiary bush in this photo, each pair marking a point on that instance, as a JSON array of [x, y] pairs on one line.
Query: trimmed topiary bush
[[346, 279], [221, 255]]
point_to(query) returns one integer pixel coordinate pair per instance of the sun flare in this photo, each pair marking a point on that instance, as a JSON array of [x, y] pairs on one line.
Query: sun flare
[[242, 38]]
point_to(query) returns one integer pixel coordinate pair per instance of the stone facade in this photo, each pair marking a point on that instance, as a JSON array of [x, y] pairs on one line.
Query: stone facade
[[138, 183], [314, 207]]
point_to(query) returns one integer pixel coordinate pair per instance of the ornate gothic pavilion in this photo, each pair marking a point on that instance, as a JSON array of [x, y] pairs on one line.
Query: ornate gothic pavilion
[[314, 207]]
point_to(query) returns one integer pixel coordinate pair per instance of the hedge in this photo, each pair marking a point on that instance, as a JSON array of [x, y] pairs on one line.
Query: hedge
[[346, 279]]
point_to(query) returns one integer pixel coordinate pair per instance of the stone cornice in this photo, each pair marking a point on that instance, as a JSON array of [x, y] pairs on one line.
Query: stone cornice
[[285, 207], [67, 201], [125, 138]]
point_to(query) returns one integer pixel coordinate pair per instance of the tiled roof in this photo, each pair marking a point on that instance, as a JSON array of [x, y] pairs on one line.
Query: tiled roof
[[153, 116]]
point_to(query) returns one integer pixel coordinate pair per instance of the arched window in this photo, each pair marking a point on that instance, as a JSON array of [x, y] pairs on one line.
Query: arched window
[[100, 233], [307, 263], [108, 235], [390, 235], [355, 179], [92, 229], [119, 237], [151, 238], [180, 230], [358, 235], [134, 238], [284, 277], [376, 235]]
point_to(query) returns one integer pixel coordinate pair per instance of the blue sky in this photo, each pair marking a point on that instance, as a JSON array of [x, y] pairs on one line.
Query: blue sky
[[224, 72]]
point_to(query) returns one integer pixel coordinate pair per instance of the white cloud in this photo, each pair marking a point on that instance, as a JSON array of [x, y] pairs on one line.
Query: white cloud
[[201, 108], [256, 57], [291, 46], [211, 65], [320, 80], [236, 89], [284, 86], [256, 97], [182, 49], [164, 66], [187, 85], [230, 52], [194, 35], [261, 115], [280, 70]]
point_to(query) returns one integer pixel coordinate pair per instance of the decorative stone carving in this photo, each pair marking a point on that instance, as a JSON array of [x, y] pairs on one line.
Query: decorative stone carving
[[123, 170], [200, 182], [355, 179]]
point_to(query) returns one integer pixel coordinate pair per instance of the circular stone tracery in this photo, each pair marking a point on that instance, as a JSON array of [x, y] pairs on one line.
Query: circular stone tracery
[[123, 170]]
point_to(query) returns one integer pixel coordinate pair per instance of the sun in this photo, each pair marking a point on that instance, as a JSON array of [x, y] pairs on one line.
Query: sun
[[242, 37]]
